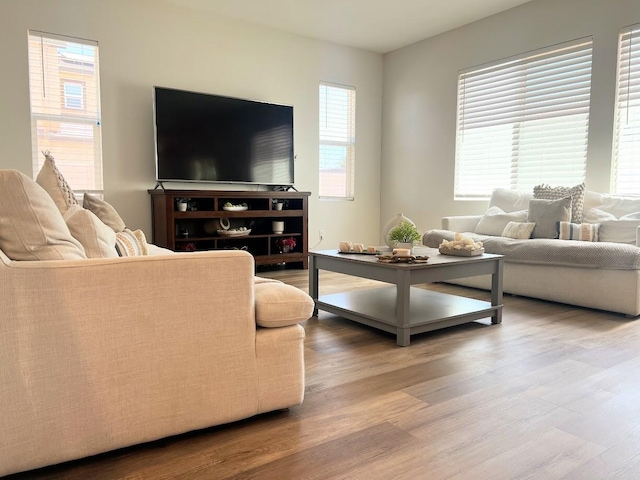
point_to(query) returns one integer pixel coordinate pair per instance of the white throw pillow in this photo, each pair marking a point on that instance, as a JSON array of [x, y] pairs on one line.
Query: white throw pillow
[[619, 231], [494, 221], [595, 215], [510, 200], [31, 226], [98, 240]]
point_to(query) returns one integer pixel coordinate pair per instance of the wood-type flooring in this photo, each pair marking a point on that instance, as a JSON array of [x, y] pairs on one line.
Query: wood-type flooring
[[552, 393]]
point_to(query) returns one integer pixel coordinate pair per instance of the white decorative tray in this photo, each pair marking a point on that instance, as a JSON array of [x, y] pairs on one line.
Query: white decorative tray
[[235, 208], [234, 233], [460, 253]]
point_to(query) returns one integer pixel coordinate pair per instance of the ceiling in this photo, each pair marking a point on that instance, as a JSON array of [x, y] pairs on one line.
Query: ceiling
[[376, 25]]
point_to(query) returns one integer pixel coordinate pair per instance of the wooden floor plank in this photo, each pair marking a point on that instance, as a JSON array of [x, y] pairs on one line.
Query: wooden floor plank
[[550, 393]]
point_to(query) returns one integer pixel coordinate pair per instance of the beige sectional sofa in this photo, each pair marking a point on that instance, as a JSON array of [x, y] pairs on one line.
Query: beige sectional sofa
[[602, 274], [102, 353]]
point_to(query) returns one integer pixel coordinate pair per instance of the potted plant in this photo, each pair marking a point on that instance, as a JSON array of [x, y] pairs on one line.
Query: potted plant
[[286, 244], [405, 235], [182, 204]]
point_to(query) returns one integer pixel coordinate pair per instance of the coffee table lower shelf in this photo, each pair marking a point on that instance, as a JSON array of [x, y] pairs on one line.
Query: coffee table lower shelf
[[428, 310]]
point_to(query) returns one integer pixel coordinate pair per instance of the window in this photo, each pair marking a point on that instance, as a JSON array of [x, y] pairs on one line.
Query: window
[[73, 95], [65, 108], [626, 146], [337, 141], [524, 121]]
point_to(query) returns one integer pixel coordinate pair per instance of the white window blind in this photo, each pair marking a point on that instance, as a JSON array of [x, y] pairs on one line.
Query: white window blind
[[524, 121], [337, 141], [626, 147], [65, 108]]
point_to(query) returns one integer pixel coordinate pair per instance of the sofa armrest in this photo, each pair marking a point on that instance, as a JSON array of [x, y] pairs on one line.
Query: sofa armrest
[[281, 305], [461, 223], [131, 339]]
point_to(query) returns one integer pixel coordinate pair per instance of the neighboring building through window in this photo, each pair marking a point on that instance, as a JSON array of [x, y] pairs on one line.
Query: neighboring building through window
[[337, 141], [524, 121], [73, 96], [64, 86], [626, 141]]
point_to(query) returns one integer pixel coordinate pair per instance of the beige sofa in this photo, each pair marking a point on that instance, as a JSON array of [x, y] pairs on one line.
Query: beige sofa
[[603, 274], [102, 353]]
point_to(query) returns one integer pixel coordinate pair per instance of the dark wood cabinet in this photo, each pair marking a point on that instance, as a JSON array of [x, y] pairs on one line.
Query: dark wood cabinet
[[198, 227]]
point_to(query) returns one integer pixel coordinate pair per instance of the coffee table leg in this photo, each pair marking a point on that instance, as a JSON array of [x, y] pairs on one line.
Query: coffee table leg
[[496, 292], [313, 283], [403, 329]]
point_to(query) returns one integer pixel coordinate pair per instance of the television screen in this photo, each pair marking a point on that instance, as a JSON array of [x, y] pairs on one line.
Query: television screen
[[212, 138]]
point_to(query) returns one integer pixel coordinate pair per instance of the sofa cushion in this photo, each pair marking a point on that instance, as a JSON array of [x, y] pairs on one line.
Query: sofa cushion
[[546, 214], [546, 251], [104, 211], [509, 200], [494, 221], [131, 243], [576, 193], [280, 305], [98, 240], [521, 230], [55, 184], [586, 232], [31, 226]]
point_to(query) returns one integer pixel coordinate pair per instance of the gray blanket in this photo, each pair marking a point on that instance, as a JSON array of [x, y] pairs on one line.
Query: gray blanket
[[543, 251]]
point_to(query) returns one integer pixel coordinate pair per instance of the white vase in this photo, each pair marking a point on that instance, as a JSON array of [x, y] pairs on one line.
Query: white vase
[[277, 226], [390, 225], [182, 207]]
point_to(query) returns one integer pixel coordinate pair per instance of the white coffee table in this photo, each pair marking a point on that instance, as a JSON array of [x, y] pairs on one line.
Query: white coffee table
[[400, 308]]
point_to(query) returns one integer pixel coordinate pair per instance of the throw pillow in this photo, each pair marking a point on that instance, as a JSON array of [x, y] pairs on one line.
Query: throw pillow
[[586, 232], [520, 230], [98, 240], [31, 226], [619, 231], [131, 244], [576, 193], [509, 200], [595, 215], [494, 221], [104, 211], [280, 305], [546, 214], [54, 183]]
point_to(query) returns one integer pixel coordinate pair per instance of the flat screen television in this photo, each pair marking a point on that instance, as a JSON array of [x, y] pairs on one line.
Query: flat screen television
[[211, 138]]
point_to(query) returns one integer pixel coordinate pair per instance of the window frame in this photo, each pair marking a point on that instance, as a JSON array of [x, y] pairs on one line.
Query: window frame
[[348, 140], [626, 130], [505, 107], [72, 134]]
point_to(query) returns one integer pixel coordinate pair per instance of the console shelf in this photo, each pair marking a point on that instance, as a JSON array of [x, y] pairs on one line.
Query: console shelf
[[195, 229]]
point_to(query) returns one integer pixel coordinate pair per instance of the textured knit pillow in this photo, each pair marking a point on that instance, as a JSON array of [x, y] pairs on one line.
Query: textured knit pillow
[[576, 193], [104, 211], [131, 244], [97, 239], [54, 183], [546, 214], [520, 230], [31, 227], [586, 232]]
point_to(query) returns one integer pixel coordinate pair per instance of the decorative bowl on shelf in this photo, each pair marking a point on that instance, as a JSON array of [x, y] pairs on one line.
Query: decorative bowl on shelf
[[234, 233], [235, 208]]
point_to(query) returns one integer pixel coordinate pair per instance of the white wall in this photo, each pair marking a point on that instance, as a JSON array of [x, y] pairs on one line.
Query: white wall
[[419, 98], [150, 42]]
